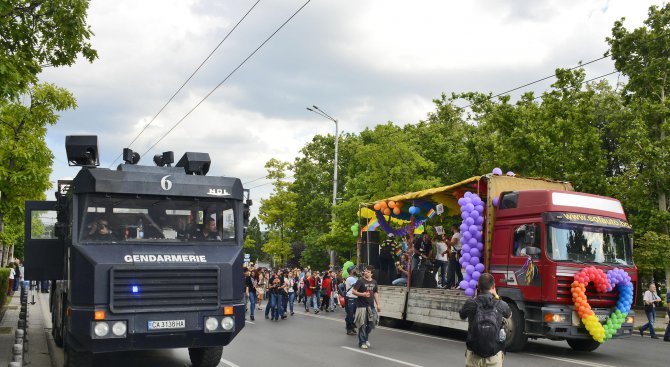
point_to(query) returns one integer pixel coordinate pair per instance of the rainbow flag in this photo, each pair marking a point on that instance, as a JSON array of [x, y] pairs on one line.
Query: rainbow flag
[[431, 213], [371, 226]]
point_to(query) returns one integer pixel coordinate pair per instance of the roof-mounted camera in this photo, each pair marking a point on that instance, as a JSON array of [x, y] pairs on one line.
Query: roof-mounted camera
[[82, 150], [195, 163], [130, 157], [167, 158]]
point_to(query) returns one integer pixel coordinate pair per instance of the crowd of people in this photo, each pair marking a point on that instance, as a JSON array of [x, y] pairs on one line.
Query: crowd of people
[[432, 252]]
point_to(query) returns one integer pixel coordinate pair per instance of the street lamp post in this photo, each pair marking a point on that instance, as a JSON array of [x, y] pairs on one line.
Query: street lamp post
[[321, 113]]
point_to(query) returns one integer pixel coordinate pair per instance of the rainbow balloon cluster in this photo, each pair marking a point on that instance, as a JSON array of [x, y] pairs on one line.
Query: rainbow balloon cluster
[[603, 283], [472, 213]]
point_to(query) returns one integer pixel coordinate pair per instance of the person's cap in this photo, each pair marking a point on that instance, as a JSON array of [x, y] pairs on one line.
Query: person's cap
[[391, 235]]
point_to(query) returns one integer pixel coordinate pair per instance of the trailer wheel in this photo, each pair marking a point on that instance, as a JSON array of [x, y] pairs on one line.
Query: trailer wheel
[[516, 337], [205, 357], [583, 345]]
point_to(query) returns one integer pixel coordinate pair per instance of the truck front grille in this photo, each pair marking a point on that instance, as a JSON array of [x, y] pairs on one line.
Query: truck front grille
[[164, 289], [564, 292]]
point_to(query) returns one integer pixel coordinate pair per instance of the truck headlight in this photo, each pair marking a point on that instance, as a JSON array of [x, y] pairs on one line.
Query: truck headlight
[[211, 323], [630, 320], [227, 323], [554, 317], [119, 328], [101, 329]]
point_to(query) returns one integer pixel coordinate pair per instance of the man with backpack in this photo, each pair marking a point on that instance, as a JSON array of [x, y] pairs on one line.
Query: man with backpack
[[486, 336]]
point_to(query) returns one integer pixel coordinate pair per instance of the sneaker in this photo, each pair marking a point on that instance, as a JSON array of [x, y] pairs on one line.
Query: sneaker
[[283, 317], [292, 313], [266, 317], [316, 312], [368, 344], [252, 318], [641, 332], [364, 346], [351, 332]]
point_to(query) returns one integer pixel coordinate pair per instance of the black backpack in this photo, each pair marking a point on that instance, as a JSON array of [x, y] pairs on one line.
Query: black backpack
[[485, 338]]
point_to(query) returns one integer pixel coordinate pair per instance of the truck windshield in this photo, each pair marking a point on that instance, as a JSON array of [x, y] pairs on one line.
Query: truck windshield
[[590, 244], [156, 219]]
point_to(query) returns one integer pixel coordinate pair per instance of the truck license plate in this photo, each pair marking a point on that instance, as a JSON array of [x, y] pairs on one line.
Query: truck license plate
[[167, 324], [602, 318]]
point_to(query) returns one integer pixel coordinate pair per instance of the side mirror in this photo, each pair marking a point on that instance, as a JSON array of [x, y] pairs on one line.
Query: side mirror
[[530, 235]]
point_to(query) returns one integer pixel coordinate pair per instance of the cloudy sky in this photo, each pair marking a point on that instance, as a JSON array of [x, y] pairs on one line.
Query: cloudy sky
[[363, 61]]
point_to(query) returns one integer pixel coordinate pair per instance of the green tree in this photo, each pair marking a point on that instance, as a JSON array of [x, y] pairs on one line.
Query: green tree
[[25, 159], [38, 34], [643, 55], [253, 243]]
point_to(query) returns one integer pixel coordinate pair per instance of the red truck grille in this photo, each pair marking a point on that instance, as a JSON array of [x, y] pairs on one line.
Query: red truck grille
[[173, 289], [563, 292]]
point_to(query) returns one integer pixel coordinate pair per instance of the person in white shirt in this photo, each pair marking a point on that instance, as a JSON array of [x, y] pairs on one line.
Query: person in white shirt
[[442, 259], [651, 299], [454, 268], [350, 301], [12, 275]]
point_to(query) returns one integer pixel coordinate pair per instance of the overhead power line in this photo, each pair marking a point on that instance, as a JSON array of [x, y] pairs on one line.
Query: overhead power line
[[189, 79], [227, 77]]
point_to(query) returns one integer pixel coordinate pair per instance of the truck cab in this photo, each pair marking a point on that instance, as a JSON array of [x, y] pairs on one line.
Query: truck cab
[[142, 257]]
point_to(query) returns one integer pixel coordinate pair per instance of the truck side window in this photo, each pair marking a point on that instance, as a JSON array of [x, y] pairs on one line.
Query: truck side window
[[527, 240]]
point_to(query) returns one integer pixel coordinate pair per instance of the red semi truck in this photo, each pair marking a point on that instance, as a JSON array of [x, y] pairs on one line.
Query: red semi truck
[[561, 231]]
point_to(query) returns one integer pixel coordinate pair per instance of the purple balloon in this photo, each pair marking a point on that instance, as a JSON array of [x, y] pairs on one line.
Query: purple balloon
[[469, 292], [474, 252], [464, 228], [472, 242], [479, 220], [463, 240], [469, 221], [466, 257], [468, 207], [478, 235], [476, 275], [467, 194], [465, 249], [468, 200], [463, 284], [465, 215], [473, 283], [461, 201], [467, 277], [461, 261], [479, 227], [473, 228], [480, 246], [495, 202], [466, 235], [479, 208], [476, 200], [510, 173], [474, 260], [469, 269], [479, 267], [474, 214], [497, 171]]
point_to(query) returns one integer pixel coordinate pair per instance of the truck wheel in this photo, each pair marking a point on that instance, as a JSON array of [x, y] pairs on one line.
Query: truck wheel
[[205, 357], [58, 329], [516, 339], [583, 345], [74, 358]]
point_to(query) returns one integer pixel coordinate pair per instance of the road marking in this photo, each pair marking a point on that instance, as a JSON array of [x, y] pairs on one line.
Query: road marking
[[390, 329], [249, 322], [382, 357], [228, 363], [575, 361]]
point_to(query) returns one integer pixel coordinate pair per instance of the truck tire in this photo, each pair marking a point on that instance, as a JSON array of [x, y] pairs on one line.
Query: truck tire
[[583, 345], [516, 337], [74, 358], [205, 357], [57, 329]]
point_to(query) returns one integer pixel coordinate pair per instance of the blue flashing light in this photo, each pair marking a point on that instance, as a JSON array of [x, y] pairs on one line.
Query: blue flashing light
[[135, 289]]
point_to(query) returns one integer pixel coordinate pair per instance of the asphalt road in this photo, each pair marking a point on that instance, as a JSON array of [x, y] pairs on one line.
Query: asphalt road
[[320, 341]]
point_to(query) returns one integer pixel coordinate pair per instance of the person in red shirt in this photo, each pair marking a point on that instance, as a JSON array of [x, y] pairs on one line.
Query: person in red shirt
[[325, 292]]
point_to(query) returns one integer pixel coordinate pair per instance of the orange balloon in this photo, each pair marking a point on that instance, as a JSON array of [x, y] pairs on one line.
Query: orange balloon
[[398, 204], [392, 204], [396, 211], [377, 206], [383, 204], [387, 211]]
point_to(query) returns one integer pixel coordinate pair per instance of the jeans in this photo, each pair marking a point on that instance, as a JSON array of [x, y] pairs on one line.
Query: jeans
[[364, 331], [400, 281], [315, 301], [415, 262], [651, 316], [453, 270], [252, 302], [442, 268], [350, 304], [276, 305], [291, 300]]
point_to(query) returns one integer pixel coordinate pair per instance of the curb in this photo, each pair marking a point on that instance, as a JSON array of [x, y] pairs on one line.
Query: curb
[[53, 351]]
